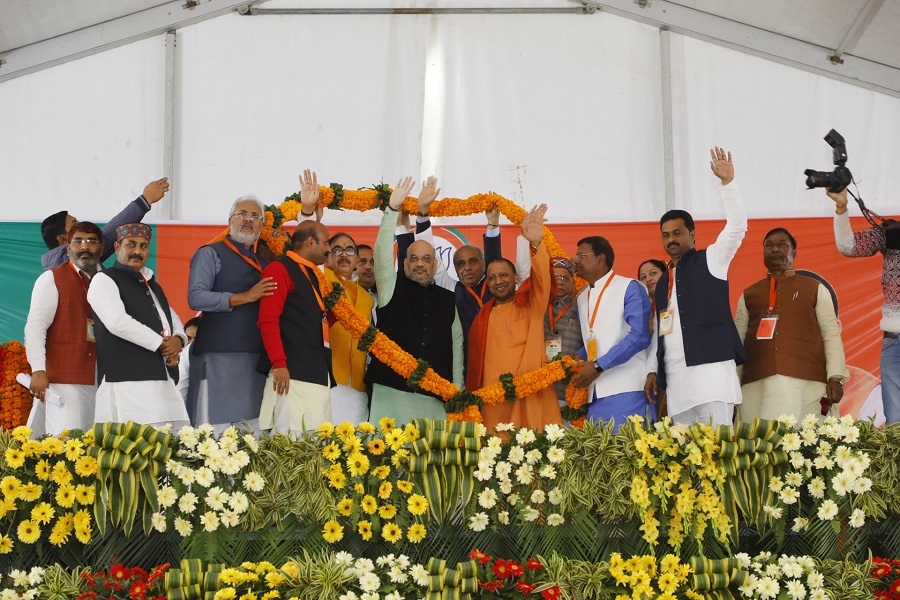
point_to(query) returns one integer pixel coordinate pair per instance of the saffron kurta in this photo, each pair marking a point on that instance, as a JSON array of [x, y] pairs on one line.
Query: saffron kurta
[[515, 344]]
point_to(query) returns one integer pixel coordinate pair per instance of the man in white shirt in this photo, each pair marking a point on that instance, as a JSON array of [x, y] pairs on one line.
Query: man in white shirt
[[699, 346], [59, 337], [139, 338]]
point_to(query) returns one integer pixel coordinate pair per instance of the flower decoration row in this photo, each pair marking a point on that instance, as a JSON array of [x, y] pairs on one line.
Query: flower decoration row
[[395, 577], [15, 399]]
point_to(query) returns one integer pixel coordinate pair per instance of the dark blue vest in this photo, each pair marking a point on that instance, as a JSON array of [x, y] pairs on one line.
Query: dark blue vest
[[233, 331], [121, 360], [704, 308]]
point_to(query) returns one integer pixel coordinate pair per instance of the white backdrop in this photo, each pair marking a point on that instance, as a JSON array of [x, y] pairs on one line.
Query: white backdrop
[[565, 109]]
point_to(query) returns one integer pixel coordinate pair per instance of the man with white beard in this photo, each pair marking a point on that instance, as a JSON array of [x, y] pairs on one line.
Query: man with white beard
[[225, 283]]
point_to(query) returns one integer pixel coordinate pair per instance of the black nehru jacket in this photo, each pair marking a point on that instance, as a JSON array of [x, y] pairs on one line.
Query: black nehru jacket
[[419, 319], [121, 360], [301, 331], [704, 308]]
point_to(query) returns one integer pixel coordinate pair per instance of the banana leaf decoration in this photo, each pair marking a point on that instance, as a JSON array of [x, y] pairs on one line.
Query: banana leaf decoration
[[460, 583], [712, 578], [191, 582]]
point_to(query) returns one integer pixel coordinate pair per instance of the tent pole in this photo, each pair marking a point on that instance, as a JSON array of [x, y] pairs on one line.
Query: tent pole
[[171, 210]]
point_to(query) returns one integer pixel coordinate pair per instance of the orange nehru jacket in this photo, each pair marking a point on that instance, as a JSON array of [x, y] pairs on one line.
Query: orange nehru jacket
[[347, 361], [71, 358]]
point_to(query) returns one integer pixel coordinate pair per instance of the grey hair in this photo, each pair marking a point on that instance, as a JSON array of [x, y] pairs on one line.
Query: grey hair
[[477, 250], [248, 198]]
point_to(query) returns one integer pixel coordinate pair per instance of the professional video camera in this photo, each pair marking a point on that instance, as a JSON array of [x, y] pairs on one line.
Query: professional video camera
[[835, 180]]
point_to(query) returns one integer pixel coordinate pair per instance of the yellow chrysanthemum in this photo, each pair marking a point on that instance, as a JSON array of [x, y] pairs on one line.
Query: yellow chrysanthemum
[[417, 504], [265, 567], [228, 593], [386, 424], [366, 427], [405, 486], [399, 457], [30, 492], [59, 535], [416, 533], [411, 433], [274, 579], [381, 472], [669, 563], [391, 533], [345, 430], [42, 470], [358, 464], [21, 433], [359, 488], [368, 504], [376, 447], [248, 596], [10, 486], [28, 532], [387, 511], [42, 513], [337, 480], [331, 451], [6, 544], [325, 429], [84, 494], [332, 532], [291, 568], [365, 530], [83, 534], [65, 495], [270, 594], [60, 474], [345, 507], [52, 446], [74, 449], [88, 438], [86, 466], [394, 439], [385, 489], [352, 445], [32, 448], [15, 458]]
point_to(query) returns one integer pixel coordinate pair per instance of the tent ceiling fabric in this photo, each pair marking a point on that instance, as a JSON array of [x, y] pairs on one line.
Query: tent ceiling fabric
[[804, 33]]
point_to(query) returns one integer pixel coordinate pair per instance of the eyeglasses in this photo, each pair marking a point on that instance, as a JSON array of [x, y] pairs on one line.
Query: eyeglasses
[[563, 278], [425, 258], [81, 242], [580, 257], [243, 215], [339, 251]]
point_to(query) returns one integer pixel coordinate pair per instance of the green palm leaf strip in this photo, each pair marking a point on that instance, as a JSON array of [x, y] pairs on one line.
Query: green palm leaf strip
[[130, 457], [750, 453], [192, 582], [460, 583], [442, 463], [712, 578]]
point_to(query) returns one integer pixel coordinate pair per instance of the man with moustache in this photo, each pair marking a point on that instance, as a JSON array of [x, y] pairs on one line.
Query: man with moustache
[[59, 337], [294, 327], [615, 328], [562, 329], [699, 346], [55, 228], [365, 270], [226, 284], [795, 356], [507, 335], [349, 401], [139, 338], [418, 315]]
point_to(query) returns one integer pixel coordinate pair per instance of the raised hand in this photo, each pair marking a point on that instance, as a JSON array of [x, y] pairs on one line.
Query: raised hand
[[401, 191], [429, 194], [721, 165], [309, 191], [493, 214], [533, 224], [840, 200], [155, 190]]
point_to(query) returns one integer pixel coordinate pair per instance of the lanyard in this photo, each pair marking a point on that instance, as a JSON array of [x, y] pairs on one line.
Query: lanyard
[[561, 313], [772, 294], [671, 268], [81, 277], [479, 296], [599, 298], [315, 286], [253, 263]]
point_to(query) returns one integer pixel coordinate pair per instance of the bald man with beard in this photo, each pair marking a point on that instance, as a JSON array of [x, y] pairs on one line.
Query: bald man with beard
[[418, 315]]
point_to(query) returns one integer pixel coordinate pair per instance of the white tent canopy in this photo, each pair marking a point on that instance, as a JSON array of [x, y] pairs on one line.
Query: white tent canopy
[[607, 115]]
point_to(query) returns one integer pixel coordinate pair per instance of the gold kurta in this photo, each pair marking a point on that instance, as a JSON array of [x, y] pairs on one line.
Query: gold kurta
[[348, 362]]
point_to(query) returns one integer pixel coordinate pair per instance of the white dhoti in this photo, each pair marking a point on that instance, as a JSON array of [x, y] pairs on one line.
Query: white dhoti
[[77, 411], [154, 403], [777, 395], [303, 408], [348, 404]]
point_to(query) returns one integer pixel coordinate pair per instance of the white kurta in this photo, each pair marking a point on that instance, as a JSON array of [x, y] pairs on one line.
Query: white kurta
[[77, 411], [146, 402], [688, 387]]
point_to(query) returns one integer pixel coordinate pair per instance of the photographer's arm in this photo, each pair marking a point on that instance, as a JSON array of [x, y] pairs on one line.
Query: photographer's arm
[[858, 244]]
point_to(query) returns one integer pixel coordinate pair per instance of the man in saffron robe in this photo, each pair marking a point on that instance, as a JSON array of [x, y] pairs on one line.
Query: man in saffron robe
[[507, 336]]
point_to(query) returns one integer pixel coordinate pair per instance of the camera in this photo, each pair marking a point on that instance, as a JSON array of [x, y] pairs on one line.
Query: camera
[[835, 180]]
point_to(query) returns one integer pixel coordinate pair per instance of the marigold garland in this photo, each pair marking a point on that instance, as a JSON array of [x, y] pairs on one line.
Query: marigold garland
[[336, 197], [15, 399]]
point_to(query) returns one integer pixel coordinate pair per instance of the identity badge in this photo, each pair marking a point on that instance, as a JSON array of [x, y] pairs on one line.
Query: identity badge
[[90, 331], [553, 347], [766, 329], [591, 348], [666, 321]]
